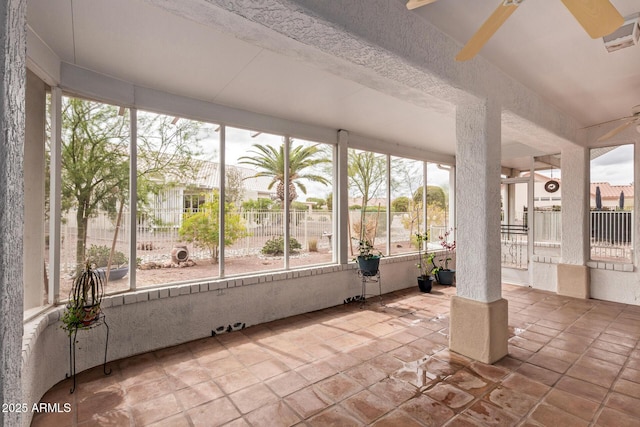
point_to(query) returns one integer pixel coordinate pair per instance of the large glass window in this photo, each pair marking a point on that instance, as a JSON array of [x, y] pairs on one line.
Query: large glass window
[[367, 173], [178, 182], [311, 215], [612, 210], [255, 201], [438, 214], [183, 186], [95, 191], [407, 208]]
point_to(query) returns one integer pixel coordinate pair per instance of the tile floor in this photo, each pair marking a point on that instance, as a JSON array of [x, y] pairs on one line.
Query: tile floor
[[571, 363]]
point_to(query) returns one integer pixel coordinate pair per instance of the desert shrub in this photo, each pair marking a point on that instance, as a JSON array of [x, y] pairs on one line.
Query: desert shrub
[[313, 245], [99, 255], [275, 246]]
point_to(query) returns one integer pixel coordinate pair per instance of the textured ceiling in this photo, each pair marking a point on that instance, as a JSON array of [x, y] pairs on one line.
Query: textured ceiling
[[295, 60]]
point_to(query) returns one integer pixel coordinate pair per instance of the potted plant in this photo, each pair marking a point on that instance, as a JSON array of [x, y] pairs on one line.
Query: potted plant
[[368, 261], [99, 257], [425, 264], [85, 297], [445, 275]]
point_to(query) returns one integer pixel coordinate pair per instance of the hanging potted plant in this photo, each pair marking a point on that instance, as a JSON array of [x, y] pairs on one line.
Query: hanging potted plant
[[445, 275], [425, 264], [85, 297], [368, 261]]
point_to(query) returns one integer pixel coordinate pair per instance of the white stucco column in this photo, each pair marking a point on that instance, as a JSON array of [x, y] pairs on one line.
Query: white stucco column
[[573, 273], [13, 42], [478, 327]]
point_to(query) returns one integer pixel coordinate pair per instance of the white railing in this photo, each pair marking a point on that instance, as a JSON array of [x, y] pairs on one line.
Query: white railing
[[611, 235]]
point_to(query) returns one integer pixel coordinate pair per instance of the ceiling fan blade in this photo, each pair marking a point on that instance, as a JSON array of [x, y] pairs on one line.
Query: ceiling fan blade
[[412, 4], [486, 31], [617, 130], [598, 17]]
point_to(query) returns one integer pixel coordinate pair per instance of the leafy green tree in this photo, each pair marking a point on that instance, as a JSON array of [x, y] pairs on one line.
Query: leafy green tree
[[95, 159], [259, 204], [436, 197], [401, 204], [303, 160], [203, 228], [367, 174], [234, 186]]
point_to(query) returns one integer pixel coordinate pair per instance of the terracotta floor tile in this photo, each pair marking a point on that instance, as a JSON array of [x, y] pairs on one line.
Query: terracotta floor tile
[[198, 394], [573, 404], [627, 387], [623, 403], [631, 375], [308, 402], [276, 414], [582, 388], [559, 354], [489, 372], [610, 417], [519, 353], [450, 396], [395, 391], [334, 416], [550, 363], [490, 414], [236, 380], [113, 418], [594, 371], [428, 411], [612, 347], [178, 420], [548, 415], [338, 387], [386, 363], [383, 367], [367, 406], [523, 384], [286, 383], [366, 374], [148, 391], [537, 373], [511, 401], [397, 418], [155, 410], [253, 397], [341, 361], [111, 398], [215, 413]]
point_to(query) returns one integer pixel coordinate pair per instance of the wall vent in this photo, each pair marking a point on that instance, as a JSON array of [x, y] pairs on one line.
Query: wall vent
[[625, 36]]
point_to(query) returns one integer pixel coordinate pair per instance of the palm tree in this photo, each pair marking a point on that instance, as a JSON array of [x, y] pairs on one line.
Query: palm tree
[[269, 161]]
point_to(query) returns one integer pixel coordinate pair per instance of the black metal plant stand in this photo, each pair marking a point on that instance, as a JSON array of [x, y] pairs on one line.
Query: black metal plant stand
[[100, 320], [366, 278]]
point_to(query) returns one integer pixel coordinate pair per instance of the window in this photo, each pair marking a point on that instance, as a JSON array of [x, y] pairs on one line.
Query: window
[[177, 174], [367, 173], [611, 200], [407, 210], [94, 190]]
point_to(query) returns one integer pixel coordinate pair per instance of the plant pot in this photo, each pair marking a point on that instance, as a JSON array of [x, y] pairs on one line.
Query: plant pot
[[424, 284], [91, 313], [445, 277], [114, 273], [368, 266]]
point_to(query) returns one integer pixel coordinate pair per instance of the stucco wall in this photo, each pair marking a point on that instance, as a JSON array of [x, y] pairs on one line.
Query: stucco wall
[[12, 88], [148, 320]]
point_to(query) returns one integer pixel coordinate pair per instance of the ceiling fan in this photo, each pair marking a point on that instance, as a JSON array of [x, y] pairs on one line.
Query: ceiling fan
[[630, 121], [598, 17]]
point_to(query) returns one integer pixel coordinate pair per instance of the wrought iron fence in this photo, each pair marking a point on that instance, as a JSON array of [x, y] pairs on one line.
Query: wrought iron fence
[[513, 244]]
